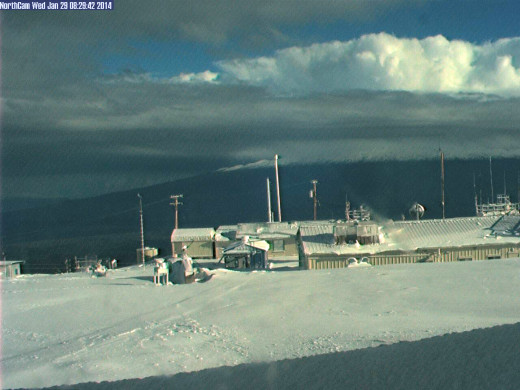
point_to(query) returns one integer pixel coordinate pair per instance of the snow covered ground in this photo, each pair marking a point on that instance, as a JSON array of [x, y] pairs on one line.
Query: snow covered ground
[[67, 329]]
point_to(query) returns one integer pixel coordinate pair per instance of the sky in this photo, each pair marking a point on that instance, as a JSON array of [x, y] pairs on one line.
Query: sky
[[100, 101]]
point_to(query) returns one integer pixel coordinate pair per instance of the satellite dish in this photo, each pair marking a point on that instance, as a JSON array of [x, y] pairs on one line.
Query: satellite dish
[[417, 211]]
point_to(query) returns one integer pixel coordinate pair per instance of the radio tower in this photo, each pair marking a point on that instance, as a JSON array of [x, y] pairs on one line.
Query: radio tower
[[142, 227]]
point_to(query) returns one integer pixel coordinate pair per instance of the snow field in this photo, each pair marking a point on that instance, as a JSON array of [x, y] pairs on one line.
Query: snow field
[[71, 328]]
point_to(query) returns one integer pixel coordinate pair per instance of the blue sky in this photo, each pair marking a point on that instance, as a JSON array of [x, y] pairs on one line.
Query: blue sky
[[467, 20], [96, 102]]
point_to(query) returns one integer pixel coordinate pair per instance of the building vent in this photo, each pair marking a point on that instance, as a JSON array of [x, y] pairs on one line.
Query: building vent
[[351, 232]]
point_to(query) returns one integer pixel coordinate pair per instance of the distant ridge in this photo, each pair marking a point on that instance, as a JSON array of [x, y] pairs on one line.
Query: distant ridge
[[108, 225]]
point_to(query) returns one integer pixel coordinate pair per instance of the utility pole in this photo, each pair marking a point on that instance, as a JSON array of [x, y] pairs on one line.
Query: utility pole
[[443, 203], [142, 227], [278, 188], [176, 203], [491, 179], [269, 213], [314, 197], [475, 194]]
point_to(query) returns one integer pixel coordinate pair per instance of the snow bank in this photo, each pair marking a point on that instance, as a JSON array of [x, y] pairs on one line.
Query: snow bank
[[478, 359], [68, 329]]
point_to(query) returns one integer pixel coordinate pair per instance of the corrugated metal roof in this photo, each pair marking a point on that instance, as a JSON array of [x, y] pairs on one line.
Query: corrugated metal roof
[[412, 235], [226, 233], [507, 225], [194, 234], [247, 247], [319, 239], [11, 262], [267, 229]]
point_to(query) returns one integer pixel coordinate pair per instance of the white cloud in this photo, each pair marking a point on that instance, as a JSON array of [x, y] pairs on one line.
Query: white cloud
[[256, 164], [383, 62], [203, 77]]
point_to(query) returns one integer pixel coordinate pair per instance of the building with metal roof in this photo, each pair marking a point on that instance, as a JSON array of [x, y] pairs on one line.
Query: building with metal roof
[[454, 239], [199, 242]]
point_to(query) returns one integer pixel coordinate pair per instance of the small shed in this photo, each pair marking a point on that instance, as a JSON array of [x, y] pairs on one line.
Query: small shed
[[247, 255], [11, 269], [199, 242], [149, 254]]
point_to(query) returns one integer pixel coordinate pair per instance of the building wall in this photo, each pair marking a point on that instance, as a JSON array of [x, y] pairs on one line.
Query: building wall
[[11, 270], [476, 253], [196, 249], [431, 255], [290, 248]]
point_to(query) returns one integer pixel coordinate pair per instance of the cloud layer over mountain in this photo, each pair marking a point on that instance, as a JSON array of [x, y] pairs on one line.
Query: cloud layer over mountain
[[76, 120]]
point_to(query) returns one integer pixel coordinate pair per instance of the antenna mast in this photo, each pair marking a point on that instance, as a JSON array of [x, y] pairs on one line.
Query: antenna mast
[[314, 197], [142, 228], [475, 194], [491, 179], [518, 188], [347, 208], [269, 212], [278, 188], [443, 203]]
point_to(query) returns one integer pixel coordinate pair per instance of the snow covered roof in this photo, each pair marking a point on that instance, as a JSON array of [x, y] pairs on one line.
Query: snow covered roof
[[268, 230], [11, 262], [318, 238], [193, 234], [226, 233], [412, 235], [242, 247], [507, 225]]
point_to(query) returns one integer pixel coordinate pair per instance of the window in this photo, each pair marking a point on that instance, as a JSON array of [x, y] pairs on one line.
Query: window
[[493, 257], [278, 246]]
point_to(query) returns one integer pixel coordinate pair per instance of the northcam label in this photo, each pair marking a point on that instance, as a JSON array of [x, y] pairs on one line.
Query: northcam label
[[58, 5]]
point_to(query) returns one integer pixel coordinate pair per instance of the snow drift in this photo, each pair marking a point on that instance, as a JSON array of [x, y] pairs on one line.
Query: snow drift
[[289, 326]]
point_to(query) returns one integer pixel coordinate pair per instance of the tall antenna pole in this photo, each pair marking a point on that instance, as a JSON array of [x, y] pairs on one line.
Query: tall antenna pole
[[480, 186], [518, 188], [347, 208], [142, 227], [491, 179], [505, 190], [278, 188], [475, 194], [176, 203], [315, 198], [269, 212], [443, 203]]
